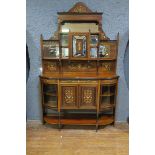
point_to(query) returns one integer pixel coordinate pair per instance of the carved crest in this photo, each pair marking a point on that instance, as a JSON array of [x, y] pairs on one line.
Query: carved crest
[[80, 8]]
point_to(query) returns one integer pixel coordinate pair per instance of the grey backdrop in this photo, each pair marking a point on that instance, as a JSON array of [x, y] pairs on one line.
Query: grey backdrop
[[42, 19]]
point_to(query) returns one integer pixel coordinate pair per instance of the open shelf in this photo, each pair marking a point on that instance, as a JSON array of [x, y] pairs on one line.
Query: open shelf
[[107, 94], [50, 94], [50, 105], [79, 119], [106, 106], [50, 58]]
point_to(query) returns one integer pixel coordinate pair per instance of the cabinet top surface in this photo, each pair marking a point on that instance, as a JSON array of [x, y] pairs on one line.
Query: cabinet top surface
[[80, 77]]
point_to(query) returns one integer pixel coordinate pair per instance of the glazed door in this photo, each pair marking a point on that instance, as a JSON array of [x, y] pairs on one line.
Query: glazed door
[[69, 95], [88, 96]]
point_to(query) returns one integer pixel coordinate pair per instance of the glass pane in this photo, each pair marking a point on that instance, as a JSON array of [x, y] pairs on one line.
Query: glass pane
[[65, 52], [93, 52], [94, 40], [64, 40], [51, 49], [104, 51], [79, 46]]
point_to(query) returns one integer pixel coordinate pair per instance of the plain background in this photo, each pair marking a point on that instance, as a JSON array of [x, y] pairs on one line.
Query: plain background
[[13, 77]]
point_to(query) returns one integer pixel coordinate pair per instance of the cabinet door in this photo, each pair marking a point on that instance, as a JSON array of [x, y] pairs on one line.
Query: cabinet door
[[69, 96], [88, 96]]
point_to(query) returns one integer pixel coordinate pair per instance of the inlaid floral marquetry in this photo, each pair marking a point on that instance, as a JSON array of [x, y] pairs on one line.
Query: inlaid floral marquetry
[[81, 67], [69, 96], [50, 66], [88, 96], [106, 66], [80, 8]]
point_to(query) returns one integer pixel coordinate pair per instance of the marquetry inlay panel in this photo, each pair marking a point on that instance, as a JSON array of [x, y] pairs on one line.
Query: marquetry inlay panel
[[80, 67], [80, 8], [69, 95], [88, 96], [50, 66], [106, 66]]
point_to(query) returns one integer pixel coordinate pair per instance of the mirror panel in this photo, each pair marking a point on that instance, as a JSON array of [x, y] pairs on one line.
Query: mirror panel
[[79, 46], [93, 52], [64, 39], [65, 53], [79, 27], [94, 40], [51, 49], [104, 51]]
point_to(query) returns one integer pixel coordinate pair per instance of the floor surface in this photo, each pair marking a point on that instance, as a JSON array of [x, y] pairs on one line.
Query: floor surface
[[76, 140]]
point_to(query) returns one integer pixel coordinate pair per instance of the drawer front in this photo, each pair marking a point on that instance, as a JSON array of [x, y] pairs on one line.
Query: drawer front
[[78, 81]]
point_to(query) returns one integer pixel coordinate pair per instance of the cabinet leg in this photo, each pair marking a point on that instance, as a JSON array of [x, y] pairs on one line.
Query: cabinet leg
[[96, 121], [43, 121], [59, 124], [96, 127]]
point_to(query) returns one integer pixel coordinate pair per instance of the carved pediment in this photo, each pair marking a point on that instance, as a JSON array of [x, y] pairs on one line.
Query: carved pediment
[[80, 8]]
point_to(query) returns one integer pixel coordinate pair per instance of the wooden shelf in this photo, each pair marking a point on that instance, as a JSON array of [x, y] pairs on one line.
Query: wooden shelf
[[62, 46], [50, 105], [106, 106], [79, 120], [50, 94], [51, 40], [107, 94], [79, 58], [108, 41], [50, 58]]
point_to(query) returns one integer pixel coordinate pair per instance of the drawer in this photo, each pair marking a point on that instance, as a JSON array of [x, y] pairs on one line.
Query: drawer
[[112, 81], [49, 81], [78, 81], [68, 81], [88, 81]]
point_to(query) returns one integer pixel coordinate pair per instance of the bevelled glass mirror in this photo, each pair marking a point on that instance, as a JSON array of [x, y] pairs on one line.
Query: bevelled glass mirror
[[65, 53], [93, 52], [64, 40], [51, 49], [104, 51], [94, 40], [79, 27], [79, 45]]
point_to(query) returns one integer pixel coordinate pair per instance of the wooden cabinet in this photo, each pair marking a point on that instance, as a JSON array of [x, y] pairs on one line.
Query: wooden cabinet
[[78, 80]]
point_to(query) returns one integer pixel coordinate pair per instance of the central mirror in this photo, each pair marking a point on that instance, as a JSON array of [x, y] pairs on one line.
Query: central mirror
[[79, 46]]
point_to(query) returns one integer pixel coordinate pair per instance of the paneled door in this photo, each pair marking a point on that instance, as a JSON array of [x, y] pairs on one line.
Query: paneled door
[[69, 94], [88, 96]]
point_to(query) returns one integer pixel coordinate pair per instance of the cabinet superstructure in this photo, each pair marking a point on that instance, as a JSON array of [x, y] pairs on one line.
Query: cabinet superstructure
[[79, 81]]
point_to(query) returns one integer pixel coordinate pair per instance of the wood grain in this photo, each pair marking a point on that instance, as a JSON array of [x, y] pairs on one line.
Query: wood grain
[[74, 140]]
